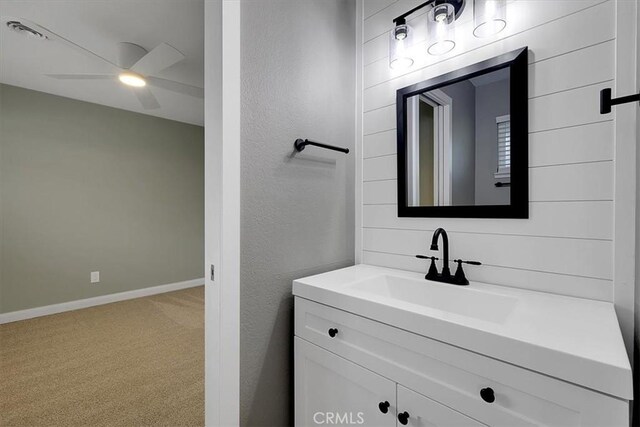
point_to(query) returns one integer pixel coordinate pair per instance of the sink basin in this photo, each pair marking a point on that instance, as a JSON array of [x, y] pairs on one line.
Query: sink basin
[[574, 339], [459, 300]]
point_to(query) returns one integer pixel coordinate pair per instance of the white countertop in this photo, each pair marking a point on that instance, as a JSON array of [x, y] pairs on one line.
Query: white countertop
[[573, 339]]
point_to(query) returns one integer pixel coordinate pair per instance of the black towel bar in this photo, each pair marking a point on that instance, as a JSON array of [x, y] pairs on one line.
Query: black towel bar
[[606, 101], [300, 144]]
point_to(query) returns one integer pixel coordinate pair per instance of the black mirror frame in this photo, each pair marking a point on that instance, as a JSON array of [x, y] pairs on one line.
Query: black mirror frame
[[516, 61]]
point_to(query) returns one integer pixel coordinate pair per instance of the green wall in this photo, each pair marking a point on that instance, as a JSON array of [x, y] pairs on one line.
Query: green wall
[[90, 188]]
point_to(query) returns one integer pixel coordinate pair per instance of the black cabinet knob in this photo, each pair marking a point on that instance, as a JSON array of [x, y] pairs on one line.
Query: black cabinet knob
[[384, 406], [488, 395], [403, 417], [333, 332]]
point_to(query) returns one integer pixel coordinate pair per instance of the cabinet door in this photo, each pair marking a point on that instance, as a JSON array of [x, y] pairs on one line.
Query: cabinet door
[[330, 390], [416, 410]]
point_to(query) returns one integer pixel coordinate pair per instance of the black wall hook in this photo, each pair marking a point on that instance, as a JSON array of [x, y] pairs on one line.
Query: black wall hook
[[300, 144], [606, 102]]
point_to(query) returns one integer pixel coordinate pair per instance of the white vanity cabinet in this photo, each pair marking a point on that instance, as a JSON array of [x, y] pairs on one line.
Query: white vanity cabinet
[[332, 390], [347, 366], [420, 411]]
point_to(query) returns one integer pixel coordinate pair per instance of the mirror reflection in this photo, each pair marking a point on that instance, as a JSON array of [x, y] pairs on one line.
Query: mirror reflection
[[459, 143]]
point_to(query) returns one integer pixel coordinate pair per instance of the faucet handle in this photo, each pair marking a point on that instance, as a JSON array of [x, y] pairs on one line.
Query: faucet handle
[[459, 261], [433, 270], [460, 277]]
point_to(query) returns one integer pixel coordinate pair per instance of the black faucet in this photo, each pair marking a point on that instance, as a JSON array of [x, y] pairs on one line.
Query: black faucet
[[445, 250], [459, 278]]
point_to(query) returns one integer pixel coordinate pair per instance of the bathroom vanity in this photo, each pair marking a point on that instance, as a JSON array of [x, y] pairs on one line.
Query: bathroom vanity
[[383, 347]]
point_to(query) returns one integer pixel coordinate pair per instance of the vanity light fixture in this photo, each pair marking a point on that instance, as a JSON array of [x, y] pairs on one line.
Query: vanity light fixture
[[489, 19], [400, 42], [440, 29]]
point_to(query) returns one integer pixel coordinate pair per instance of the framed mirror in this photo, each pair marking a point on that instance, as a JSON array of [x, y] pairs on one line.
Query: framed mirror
[[463, 142]]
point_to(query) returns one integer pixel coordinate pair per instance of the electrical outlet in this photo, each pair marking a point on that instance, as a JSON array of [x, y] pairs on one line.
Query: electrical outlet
[[95, 277]]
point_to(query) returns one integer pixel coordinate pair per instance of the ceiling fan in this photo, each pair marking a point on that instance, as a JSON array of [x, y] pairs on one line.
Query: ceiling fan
[[135, 66]]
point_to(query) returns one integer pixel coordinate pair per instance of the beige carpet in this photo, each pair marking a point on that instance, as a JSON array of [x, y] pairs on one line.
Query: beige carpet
[[132, 363]]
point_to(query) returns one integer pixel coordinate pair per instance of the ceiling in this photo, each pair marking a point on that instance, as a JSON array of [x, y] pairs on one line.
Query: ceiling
[[492, 77], [98, 25]]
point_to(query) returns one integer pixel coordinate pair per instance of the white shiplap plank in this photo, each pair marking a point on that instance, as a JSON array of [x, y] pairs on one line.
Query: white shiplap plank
[[582, 181], [587, 220], [579, 257], [371, 7], [582, 67], [573, 182], [380, 144], [378, 168], [544, 42], [587, 143], [379, 192], [380, 120], [583, 287], [571, 108], [558, 110], [375, 49], [577, 144]]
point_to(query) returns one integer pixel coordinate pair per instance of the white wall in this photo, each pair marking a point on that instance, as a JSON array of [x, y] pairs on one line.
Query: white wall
[[566, 246], [222, 212], [636, 361]]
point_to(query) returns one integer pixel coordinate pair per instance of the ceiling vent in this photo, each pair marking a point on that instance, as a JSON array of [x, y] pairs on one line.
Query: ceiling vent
[[19, 27]]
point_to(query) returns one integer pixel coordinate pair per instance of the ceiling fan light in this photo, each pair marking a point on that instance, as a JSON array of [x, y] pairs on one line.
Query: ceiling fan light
[[132, 79]]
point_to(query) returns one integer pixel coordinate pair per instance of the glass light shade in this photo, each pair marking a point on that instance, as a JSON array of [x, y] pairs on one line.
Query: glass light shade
[[400, 55], [489, 17], [440, 29]]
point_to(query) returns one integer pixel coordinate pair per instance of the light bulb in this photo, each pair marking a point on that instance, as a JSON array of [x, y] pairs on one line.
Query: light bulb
[[400, 32], [440, 13]]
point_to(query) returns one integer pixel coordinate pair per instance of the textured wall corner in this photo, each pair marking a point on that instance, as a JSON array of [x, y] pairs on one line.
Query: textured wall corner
[[298, 81]]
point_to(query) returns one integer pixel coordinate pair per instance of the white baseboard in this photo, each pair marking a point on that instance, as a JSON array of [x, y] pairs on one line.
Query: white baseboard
[[30, 313]]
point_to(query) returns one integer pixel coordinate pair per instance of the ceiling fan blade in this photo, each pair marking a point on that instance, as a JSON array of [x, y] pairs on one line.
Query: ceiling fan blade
[[185, 89], [161, 57], [146, 98], [53, 36], [81, 76]]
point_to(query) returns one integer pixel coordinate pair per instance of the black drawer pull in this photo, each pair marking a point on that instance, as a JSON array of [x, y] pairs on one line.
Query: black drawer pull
[[403, 417], [384, 406], [333, 332], [488, 395]]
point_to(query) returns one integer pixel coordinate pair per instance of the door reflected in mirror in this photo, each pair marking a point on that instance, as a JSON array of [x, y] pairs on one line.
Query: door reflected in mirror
[[459, 143]]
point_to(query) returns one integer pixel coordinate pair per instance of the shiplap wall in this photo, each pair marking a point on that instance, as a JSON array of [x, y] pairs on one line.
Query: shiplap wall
[[566, 244]]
